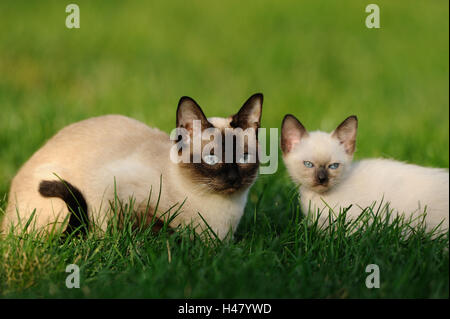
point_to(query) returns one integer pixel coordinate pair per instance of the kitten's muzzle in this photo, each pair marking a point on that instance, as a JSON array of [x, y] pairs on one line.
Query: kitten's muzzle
[[322, 176]]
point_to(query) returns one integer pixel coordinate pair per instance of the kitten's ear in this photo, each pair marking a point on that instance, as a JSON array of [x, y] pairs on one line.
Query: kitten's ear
[[249, 116], [292, 131], [188, 110], [346, 133]]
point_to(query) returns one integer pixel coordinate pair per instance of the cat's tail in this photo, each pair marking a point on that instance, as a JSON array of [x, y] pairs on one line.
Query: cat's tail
[[74, 199]]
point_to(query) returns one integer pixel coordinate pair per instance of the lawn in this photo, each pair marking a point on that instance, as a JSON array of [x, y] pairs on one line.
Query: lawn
[[314, 59]]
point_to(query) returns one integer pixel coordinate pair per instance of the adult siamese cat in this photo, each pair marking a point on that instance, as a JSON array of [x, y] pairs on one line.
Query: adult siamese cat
[[321, 163], [103, 158]]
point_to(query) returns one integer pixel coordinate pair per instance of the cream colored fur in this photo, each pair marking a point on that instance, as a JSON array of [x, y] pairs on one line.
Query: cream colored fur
[[408, 188], [90, 154]]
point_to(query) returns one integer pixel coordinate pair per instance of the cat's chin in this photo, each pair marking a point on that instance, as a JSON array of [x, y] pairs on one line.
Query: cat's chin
[[319, 188], [228, 191]]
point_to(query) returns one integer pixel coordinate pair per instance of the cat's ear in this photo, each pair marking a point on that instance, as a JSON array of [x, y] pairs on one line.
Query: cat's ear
[[249, 116], [346, 133], [187, 112], [292, 131]]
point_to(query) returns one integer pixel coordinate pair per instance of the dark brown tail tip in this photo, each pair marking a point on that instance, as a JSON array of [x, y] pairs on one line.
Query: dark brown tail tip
[[74, 200]]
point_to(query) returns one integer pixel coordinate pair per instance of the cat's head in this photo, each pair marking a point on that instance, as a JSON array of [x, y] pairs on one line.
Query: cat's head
[[317, 160], [217, 166]]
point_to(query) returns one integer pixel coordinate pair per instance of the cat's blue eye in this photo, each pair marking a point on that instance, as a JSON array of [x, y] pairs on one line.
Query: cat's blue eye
[[211, 159], [308, 164], [245, 159], [333, 166]]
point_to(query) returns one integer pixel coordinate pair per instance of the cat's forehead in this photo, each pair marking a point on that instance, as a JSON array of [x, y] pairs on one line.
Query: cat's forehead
[[321, 147], [220, 122], [223, 134], [223, 124], [319, 138]]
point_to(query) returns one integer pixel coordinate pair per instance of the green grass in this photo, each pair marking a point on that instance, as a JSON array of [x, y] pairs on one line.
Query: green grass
[[269, 258], [314, 59]]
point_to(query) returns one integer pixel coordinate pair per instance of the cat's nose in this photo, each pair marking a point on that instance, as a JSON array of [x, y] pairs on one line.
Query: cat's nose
[[322, 175], [322, 179], [232, 175]]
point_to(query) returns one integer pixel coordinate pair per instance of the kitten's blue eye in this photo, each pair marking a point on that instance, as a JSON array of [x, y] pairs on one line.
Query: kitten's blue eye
[[211, 159], [333, 166], [308, 164]]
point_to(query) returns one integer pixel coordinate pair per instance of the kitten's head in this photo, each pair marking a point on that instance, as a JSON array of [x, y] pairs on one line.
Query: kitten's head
[[220, 167], [317, 160]]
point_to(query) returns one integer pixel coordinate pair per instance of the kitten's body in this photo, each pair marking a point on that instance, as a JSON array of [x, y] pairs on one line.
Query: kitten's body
[[96, 154], [408, 189]]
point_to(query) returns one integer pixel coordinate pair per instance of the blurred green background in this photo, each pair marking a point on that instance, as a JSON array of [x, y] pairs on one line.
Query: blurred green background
[[315, 59]]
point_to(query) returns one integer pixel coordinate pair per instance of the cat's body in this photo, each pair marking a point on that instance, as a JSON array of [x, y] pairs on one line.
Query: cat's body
[[110, 155], [409, 189]]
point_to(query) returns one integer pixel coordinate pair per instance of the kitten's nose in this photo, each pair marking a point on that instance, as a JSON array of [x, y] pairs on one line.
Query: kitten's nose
[[322, 175]]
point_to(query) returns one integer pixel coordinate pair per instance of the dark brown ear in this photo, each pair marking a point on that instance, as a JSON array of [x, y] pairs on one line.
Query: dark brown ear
[[188, 110], [249, 116], [292, 131], [346, 133]]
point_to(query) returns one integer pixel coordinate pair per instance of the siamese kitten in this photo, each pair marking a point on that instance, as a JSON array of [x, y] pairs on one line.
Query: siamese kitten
[[321, 163], [103, 156]]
